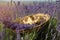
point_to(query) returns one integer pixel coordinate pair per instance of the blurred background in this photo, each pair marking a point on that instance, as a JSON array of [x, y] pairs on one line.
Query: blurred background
[[10, 10]]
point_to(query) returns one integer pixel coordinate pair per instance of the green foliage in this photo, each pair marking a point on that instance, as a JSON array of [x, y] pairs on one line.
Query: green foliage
[[9, 34], [47, 34], [53, 22], [52, 32], [30, 35], [1, 27]]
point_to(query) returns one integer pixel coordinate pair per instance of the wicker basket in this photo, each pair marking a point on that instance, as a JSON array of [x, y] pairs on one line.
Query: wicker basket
[[44, 17]]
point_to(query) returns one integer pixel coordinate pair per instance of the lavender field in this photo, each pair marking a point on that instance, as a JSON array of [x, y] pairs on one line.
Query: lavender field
[[11, 10]]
